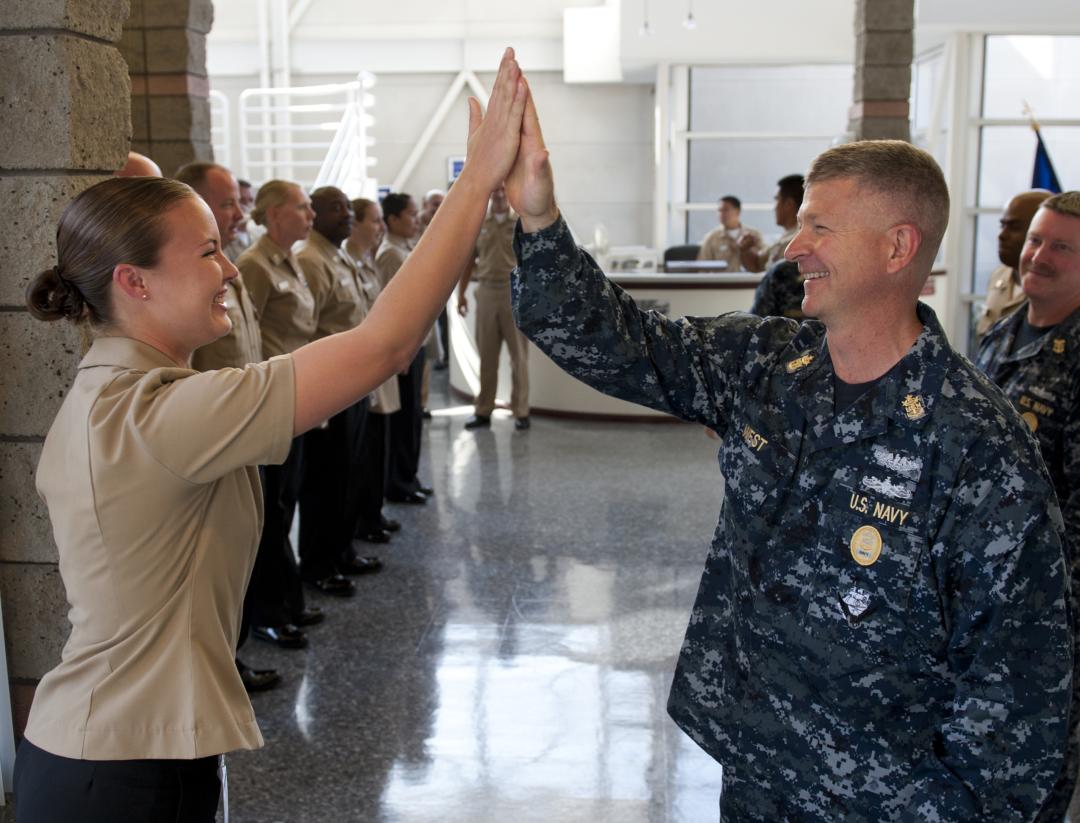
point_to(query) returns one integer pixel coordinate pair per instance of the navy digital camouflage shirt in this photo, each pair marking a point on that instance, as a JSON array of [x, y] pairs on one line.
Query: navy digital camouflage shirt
[[1042, 379], [780, 292], [881, 629]]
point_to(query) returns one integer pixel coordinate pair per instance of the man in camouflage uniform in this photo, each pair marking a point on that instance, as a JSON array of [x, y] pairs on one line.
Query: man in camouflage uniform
[[1032, 355], [881, 628]]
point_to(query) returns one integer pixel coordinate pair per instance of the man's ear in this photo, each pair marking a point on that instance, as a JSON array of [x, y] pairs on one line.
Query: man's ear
[[905, 240], [131, 281]]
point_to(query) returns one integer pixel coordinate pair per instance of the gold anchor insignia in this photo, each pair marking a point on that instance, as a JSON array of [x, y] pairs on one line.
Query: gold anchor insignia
[[800, 362], [913, 407], [1059, 345]]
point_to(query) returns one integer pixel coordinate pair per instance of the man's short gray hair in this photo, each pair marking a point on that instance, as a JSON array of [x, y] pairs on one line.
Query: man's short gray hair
[[909, 177], [1067, 203]]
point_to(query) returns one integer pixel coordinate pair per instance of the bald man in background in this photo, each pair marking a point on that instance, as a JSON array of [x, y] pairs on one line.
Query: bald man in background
[[138, 165], [1004, 294]]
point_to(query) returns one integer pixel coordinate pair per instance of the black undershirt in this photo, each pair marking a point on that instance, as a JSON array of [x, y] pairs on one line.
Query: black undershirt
[[1028, 333], [845, 394]]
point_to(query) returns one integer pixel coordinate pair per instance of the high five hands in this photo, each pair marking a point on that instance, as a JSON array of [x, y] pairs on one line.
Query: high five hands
[[508, 143]]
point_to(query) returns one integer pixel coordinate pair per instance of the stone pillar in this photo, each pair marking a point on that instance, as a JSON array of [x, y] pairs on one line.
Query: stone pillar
[[884, 46], [66, 125], [164, 43]]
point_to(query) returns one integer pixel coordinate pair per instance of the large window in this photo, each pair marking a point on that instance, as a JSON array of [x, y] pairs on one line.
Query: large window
[[748, 127], [1042, 72]]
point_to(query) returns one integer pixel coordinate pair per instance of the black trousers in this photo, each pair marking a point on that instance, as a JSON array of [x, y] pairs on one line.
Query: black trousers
[[330, 491], [371, 480], [54, 789], [275, 595], [406, 429]]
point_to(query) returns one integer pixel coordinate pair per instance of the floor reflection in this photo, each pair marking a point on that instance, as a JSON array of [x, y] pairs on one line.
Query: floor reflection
[[512, 661]]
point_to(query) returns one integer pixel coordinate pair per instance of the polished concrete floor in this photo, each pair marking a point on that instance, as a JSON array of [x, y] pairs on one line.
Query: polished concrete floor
[[512, 661]]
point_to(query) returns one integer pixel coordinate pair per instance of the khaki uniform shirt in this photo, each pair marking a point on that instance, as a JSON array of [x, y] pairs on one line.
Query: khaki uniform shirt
[[391, 255], [280, 293], [1002, 298], [386, 398], [149, 475], [776, 250], [340, 301], [243, 344], [719, 245], [495, 251]]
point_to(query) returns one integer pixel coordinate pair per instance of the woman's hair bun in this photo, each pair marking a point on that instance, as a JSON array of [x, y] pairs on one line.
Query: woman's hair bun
[[51, 296]]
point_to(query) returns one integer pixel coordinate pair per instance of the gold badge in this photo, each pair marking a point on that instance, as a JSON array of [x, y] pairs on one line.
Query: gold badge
[[866, 545], [913, 407], [800, 362], [1031, 420], [1059, 345]]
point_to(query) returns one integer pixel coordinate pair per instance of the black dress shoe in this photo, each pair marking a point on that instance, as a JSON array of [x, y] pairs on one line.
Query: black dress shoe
[[334, 584], [427, 491], [287, 636], [478, 421], [257, 680], [390, 525], [360, 565], [425, 414], [374, 536], [309, 616], [522, 423], [412, 498]]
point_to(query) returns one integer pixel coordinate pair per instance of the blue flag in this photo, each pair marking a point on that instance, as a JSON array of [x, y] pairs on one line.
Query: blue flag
[[1044, 176]]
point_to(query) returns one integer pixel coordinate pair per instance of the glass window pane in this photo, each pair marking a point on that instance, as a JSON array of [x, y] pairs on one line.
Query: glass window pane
[[770, 98], [986, 252], [1007, 160], [748, 169], [1042, 70]]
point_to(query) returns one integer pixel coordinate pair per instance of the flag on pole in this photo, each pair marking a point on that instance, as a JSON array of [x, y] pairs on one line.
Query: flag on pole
[[1043, 176]]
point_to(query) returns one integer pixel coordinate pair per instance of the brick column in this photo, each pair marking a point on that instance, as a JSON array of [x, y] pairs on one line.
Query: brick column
[[66, 125], [164, 43], [884, 45]]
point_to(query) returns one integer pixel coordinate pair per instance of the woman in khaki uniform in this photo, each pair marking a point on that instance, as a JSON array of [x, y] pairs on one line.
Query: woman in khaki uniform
[[372, 526], [149, 476]]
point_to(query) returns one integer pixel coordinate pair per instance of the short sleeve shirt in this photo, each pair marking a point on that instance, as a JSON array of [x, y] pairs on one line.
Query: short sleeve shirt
[[243, 343], [340, 301], [495, 251], [280, 293], [149, 474]]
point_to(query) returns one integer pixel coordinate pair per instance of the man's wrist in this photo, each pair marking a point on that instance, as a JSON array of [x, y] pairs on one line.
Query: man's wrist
[[530, 224]]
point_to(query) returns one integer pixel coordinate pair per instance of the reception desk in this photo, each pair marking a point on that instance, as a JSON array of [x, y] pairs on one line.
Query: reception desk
[[553, 392]]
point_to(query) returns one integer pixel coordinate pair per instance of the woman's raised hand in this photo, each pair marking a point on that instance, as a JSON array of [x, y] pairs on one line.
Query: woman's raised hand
[[494, 135]]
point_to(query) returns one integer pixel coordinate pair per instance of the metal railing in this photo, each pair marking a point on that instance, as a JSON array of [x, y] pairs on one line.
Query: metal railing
[[221, 128], [313, 135]]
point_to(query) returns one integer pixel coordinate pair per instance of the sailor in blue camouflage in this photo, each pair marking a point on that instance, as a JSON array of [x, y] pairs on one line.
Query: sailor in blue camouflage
[[780, 292], [881, 630], [1036, 362]]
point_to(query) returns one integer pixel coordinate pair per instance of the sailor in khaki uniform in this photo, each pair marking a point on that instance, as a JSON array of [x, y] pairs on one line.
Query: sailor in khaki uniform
[[788, 199], [148, 474], [287, 320], [406, 425], [372, 526], [494, 318], [723, 242], [332, 472], [241, 345], [1004, 294]]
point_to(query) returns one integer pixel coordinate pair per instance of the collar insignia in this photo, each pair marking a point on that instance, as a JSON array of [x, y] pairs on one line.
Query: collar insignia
[[799, 363], [1059, 345], [913, 407]]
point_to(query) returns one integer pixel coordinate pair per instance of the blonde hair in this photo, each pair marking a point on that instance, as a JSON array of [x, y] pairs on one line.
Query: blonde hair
[[272, 193]]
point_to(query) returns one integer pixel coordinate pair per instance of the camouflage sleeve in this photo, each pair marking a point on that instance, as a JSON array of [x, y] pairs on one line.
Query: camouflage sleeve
[[1070, 495], [592, 329], [1003, 600]]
